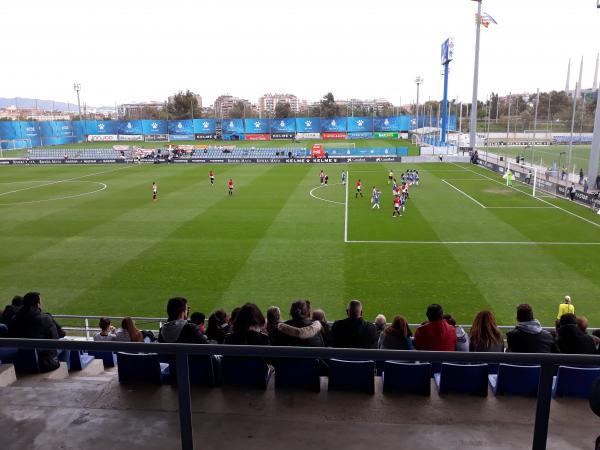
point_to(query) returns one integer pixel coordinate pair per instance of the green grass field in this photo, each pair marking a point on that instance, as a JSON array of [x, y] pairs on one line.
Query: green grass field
[[547, 155], [93, 242]]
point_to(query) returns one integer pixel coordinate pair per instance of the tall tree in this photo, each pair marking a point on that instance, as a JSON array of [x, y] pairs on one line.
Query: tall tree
[[328, 106], [241, 110], [283, 110], [184, 106]]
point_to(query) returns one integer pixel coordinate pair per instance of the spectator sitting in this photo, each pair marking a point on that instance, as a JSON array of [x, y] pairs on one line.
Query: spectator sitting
[[218, 326], [30, 322], [380, 323], [198, 319], [582, 323], [462, 338], [10, 311], [565, 308], [571, 339], [529, 336], [436, 333], [107, 331], [300, 331], [178, 329], [397, 336], [248, 327], [273, 321], [128, 332], [485, 334], [234, 313], [319, 315], [354, 332]]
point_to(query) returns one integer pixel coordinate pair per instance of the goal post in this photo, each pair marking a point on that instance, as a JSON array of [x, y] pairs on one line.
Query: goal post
[[14, 144]]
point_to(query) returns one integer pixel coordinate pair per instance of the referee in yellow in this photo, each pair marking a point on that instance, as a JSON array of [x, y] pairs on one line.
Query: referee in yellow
[[565, 308]]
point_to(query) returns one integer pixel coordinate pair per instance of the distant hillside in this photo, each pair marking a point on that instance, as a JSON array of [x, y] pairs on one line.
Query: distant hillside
[[41, 104]]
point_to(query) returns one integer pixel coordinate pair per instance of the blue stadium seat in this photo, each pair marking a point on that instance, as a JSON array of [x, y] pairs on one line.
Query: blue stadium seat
[[203, 370], [141, 368], [297, 373], [463, 379], [108, 358], [8, 355], [246, 371], [515, 380], [358, 376], [79, 360], [574, 381], [409, 378]]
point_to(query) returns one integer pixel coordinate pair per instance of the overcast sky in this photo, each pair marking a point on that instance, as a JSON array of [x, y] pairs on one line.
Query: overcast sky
[[130, 50]]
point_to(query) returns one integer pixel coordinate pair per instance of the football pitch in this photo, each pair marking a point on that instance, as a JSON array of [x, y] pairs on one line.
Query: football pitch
[[92, 241]]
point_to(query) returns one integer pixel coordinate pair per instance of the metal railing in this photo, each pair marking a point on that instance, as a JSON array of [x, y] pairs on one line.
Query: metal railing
[[88, 328], [181, 352]]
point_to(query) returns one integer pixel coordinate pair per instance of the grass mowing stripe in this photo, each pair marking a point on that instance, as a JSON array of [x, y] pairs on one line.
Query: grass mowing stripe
[[288, 247]]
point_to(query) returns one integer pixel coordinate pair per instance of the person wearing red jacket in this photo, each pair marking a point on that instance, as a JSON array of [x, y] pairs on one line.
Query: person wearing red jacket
[[436, 334]]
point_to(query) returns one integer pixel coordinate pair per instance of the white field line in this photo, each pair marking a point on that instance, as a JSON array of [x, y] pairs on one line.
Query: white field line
[[463, 193], [537, 198], [103, 186], [519, 207], [346, 208], [473, 242], [63, 181], [324, 199]]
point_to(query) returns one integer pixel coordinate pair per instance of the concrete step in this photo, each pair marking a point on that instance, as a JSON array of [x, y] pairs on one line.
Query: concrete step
[[59, 374], [95, 367], [7, 375]]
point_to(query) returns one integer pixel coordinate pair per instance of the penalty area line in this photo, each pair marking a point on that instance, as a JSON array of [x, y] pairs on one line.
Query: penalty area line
[[473, 243], [463, 193]]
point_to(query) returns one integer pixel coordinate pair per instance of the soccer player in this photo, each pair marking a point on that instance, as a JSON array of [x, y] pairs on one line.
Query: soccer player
[[396, 212], [405, 190], [417, 177], [154, 190], [391, 176], [375, 198], [230, 186], [343, 177], [326, 180], [211, 175], [321, 177], [358, 189], [394, 186], [403, 202]]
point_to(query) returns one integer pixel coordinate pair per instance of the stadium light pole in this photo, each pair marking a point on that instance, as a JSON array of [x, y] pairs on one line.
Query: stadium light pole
[[77, 87], [473, 126], [595, 151], [419, 80]]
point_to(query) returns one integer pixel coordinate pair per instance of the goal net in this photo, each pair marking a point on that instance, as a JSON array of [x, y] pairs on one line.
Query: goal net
[[7, 145], [535, 177]]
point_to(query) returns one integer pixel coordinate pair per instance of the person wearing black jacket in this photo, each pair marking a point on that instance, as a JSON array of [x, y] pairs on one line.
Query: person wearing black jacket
[[10, 311], [31, 323], [529, 336], [178, 329], [571, 339], [354, 332], [301, 330], [248, 327]]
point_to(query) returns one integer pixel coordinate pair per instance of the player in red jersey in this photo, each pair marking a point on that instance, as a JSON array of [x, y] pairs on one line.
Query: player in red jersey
[[358, 189], [231, 186], [211, 175], [396, 206]]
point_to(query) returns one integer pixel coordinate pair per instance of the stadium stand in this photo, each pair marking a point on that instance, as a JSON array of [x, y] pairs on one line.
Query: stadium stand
[[349, 375]]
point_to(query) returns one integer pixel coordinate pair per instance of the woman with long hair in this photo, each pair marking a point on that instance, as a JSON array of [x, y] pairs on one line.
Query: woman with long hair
[[485, 334], [397, 336], [218, 326], [248, 328], [128, 331]]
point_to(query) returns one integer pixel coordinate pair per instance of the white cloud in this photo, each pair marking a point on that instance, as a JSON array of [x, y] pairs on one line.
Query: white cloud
[[146, 50]]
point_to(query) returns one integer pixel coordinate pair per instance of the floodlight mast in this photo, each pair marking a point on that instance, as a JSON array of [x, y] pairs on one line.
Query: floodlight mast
[[595, 152], [419, 80], [473, 125]]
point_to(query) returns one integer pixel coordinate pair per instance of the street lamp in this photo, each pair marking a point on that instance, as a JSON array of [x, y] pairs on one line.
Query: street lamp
[[473, 126], [418, 81]]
